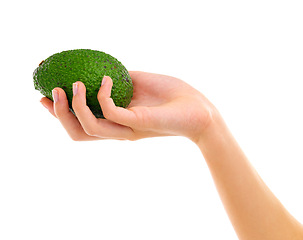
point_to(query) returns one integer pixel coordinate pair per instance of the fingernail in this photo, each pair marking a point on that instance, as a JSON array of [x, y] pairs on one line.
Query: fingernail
[[75, 88], [103, 80], [55, 95]]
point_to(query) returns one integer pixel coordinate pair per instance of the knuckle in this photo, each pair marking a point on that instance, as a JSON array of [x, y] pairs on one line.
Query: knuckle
[[100, 96], [76, 138], [90, 131], [107, 114], [78, 103], [133, 138], [60, 112], [107, 106], [75, 105]]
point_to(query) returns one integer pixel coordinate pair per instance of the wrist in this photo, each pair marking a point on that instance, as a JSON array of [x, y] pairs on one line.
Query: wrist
[[213, 131]]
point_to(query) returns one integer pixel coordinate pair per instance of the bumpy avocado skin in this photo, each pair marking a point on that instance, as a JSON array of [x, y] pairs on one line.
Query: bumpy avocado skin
[[88, 66]]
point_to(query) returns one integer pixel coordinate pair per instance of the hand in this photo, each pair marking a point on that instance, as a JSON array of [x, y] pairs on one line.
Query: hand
[[161, 106]]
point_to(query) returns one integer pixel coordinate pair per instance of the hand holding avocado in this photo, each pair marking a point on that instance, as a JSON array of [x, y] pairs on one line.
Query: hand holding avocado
[[161, 106]]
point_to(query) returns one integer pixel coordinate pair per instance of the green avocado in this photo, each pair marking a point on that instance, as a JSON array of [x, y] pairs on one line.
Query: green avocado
[[88, 66]]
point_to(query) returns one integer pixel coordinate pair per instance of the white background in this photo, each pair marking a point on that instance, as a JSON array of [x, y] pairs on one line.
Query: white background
[[245, 56]]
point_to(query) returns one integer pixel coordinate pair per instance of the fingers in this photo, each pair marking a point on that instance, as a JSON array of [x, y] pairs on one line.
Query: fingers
[[85, 126], [101, 128], [48, 104], [67, 118], [83, 113]]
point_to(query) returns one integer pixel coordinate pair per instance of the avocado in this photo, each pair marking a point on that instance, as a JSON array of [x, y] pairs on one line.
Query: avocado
[[88, 66]]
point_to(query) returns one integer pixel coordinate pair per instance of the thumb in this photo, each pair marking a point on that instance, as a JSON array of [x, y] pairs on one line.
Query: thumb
[[110, 110]]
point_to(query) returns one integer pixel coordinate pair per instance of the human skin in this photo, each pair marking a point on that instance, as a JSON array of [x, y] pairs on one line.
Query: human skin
[[167, 106]]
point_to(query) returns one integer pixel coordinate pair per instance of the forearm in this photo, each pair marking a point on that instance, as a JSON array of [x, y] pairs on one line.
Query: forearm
[[252, 208]]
